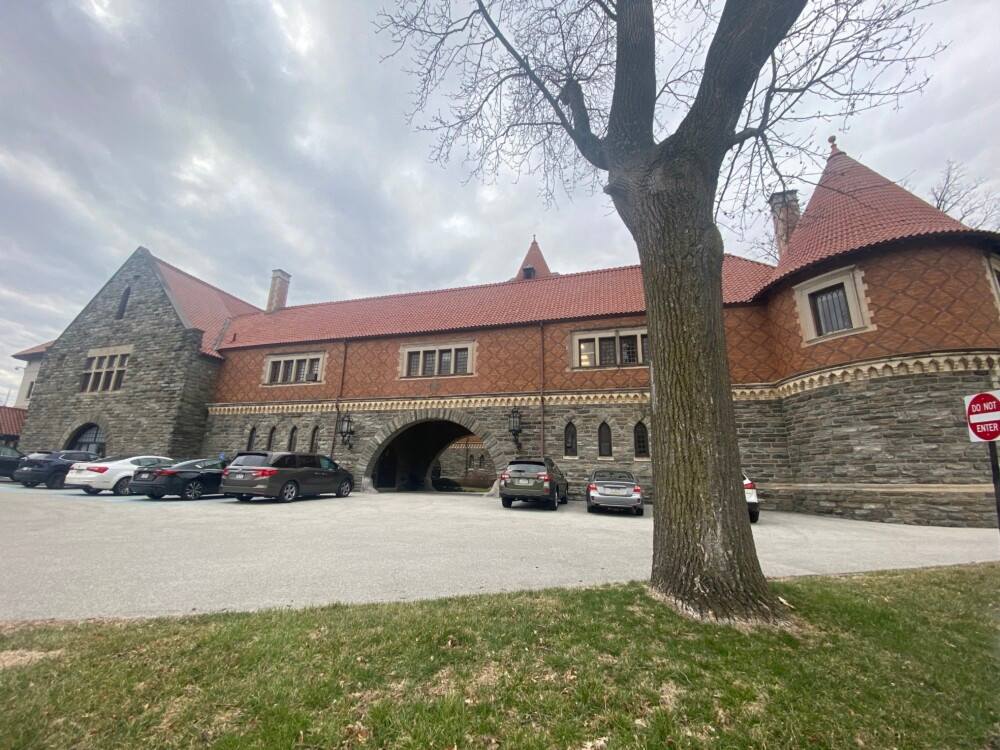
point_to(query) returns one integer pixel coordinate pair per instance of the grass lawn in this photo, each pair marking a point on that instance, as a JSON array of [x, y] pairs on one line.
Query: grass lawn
[[898, 659]]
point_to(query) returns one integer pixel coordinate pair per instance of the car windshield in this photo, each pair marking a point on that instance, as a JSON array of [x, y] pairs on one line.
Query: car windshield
[[613, 476], [110, 459], [195, 464], [250, 459], [46, 454], [527, 466]]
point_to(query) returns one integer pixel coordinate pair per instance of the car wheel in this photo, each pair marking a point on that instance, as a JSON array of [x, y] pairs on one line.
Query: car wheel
[[506, 502], [122, 486], [193, 490], [553, 503], [344, 489], [639, 511], [56, 481], [244, 498], [29, 485], [754, 515], [564, 498], [154, 495], [91, 491], [289, 492]]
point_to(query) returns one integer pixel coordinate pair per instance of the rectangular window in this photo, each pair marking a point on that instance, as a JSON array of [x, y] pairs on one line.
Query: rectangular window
[[429, 359], [629, 350], [830, 309], [297, 369], [104, 372], [438, 362], [645, 347], [444, 362], [412, 364], [606, 351], [587, 358]]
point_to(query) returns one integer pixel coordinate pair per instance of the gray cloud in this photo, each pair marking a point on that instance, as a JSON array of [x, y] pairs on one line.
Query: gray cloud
[[231, 138]]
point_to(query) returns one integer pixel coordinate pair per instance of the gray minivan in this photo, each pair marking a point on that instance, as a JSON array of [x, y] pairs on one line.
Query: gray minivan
[[285, 476]]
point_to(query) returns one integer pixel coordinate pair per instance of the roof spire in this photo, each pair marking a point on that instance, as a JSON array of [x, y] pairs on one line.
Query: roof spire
[[533, 266], [832, 140]]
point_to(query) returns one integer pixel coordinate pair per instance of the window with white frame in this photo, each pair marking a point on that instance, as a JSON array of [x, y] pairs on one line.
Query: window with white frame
[[104, 369], [294, 369], [832, 305], [626, 347], [993, 262], [436, 361]]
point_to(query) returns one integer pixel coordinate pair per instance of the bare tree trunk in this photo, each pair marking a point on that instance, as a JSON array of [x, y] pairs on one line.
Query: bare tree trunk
[[704, 559]]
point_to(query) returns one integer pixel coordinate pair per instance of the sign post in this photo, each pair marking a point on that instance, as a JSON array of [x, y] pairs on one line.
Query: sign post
[[982, 415]]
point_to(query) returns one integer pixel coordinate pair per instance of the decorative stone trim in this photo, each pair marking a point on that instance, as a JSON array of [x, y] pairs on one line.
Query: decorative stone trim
[[859, 371]]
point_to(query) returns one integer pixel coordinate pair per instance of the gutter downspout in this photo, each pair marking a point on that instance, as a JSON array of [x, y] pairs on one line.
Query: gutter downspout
[[541, 379], [340, 394]]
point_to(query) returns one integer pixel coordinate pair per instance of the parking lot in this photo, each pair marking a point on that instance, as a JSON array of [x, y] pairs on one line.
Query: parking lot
[[68, 555]]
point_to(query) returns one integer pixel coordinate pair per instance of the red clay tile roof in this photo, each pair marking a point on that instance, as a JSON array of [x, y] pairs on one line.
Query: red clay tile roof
[[202, 305], [34, 351], [590, 294], [11, 420], [536, 260], [854, 207]]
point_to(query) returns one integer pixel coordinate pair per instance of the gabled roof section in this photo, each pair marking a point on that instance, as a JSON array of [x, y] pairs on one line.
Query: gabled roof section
[[34, 352], [854, 207], [590, 294], [536, 261], [201, 305], [12, 420]]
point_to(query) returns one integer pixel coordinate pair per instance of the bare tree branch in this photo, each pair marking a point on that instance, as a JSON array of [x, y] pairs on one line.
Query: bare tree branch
[[971, 201]]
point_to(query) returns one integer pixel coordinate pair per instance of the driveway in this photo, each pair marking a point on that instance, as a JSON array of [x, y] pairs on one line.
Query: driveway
[[67, 555]]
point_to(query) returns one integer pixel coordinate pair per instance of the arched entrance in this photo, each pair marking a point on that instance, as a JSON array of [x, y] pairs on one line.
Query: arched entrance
[[89, 437], [407, 452]]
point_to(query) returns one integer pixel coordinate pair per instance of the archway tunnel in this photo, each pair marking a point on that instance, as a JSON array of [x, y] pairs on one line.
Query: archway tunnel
[[433, 455]]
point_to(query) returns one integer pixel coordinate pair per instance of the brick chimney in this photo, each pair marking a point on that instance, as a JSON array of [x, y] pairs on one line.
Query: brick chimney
[[785, 212], [278, 296]]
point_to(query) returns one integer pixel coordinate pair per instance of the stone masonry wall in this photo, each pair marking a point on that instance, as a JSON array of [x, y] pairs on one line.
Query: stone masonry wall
[[161, 407]]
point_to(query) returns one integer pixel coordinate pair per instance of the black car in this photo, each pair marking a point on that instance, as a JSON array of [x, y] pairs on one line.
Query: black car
[[9, 459], [188, 479], [49, 467]]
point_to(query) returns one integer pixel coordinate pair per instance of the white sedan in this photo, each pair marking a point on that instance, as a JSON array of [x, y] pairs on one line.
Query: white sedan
[[753, 504], [114, 473]]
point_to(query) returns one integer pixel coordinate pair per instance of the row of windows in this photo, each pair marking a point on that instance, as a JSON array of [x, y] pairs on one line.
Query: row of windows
[[104, 373], [612, 349], [269, 442], [429, 363], [605, 446], [296, 369]]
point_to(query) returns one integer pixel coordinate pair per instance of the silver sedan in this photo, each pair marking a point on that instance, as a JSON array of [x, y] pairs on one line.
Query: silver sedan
[[613, 488]]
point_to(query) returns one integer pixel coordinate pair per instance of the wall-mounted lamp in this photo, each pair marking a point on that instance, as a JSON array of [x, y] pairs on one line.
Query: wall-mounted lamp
[[514, 426], [346, 430]]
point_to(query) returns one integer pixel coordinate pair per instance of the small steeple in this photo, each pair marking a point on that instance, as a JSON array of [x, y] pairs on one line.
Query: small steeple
[[533, 266], [832, 140]]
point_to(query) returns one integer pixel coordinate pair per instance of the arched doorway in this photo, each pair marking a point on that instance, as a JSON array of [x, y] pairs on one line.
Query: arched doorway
[[408, 452], [88, 437]]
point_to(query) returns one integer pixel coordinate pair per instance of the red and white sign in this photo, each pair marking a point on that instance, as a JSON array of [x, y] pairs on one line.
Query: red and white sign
[[982, 414]]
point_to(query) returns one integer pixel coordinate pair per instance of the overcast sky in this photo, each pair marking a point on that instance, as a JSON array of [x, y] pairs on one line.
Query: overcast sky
[[233, 138]]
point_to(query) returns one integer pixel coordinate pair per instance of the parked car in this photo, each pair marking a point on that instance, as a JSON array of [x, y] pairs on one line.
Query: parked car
[[613, 488], [188, 479], [753, 504], [285, 476], [49, 467], [533, 480], [9, 459], [114, 473]]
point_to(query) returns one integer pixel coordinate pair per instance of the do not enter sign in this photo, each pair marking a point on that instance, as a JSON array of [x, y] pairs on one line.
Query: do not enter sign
[[982, 414]]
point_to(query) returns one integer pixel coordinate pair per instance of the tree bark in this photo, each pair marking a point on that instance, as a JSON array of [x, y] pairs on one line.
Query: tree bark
[[704, 559]]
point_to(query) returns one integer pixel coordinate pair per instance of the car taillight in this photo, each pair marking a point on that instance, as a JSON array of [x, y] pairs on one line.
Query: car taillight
[[504, 478], [225, 472], [637, 490], [97, 469], [748, 485], [543, 476], [260, 473], [165, 472], [591, 487]]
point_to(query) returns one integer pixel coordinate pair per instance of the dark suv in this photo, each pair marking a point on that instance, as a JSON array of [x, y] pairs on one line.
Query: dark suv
[[533, 479], [49, 467], [9, 459], [285, 476]]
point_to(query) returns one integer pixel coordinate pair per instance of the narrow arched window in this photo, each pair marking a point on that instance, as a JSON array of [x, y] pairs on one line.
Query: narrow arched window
[[270, 438], [123, 303], [569, 440], [252, 438], [640, 437], [482, 461], [604, 440], [314, 440], [293, 438]]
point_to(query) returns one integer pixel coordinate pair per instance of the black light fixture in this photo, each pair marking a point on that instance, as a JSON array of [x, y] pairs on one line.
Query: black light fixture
[[346, 430], [514, 425]]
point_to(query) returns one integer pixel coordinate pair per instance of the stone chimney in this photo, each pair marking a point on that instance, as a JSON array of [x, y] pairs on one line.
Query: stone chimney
[[785, 212], [278, 296]]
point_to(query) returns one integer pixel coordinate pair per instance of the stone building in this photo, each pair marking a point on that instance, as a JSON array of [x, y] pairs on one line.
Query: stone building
[[848, 360]]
